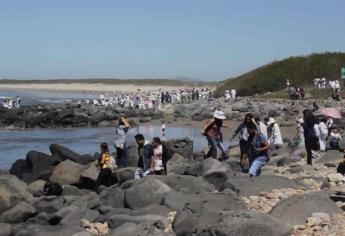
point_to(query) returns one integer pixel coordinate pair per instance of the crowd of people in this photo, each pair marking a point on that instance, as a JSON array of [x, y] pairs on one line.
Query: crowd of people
[[152, 99], [320, 83], [230, 94], [294, 92], [10, 103]]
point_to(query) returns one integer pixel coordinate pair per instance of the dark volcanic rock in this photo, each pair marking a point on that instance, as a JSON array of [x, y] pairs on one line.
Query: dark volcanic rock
[[246, 186], [67, 154], [112, 196], [145, 192], [296, 209], [231, 223], [18, 213]]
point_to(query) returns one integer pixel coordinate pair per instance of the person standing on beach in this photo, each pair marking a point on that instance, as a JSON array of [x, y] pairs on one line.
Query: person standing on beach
[[214, 136], [120, 142], [157, 167]]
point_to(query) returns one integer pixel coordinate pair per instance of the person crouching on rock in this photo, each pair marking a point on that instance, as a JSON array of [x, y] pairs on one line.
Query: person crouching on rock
[[157, 167], [258, 149], [212, 131], [145, 152], [120, 142], [104, 163]]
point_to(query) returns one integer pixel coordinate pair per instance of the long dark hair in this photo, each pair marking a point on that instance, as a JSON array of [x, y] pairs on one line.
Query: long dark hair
[[104, 148], [309, 117], [218, 122], [248, 116]]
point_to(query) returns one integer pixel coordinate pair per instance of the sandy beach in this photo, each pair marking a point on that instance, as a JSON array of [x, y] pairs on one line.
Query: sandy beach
[[99, 87]]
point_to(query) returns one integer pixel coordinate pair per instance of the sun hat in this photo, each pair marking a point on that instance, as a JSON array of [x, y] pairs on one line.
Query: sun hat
[[271, 120], [219, 115]]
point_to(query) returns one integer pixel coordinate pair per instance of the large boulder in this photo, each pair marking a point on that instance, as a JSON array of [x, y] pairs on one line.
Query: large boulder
[[331, 156], [48, 204], [177, 164], [112, 196], [67, 154], [186, 184], [19, 167], [117, 220], [49, 230], [124, 174], [67, 172], [90, 200], [132, 154], [142, 229], [246, 186], [184, 147], [38, 161], [6, 229], [294, 210], [145, 192], [230, 223], [19, 213], [73, 217], [216, 202], [12, 191]]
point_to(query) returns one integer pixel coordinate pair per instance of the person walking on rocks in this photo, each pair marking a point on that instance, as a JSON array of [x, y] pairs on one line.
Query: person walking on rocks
[[157, 167], [104, 163], [310, 129], [145, 153], [258, 151], [323, 133], [243, 136], [212, 131], [274, 134], [120, 142]]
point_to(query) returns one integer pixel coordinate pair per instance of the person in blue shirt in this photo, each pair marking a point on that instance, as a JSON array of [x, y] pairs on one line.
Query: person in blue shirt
[[258, 150]]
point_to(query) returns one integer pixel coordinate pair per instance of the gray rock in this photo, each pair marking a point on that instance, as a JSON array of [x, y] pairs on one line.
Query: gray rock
[[73, 218], [38, 161], [67, 172], [246, 186], [48, 230], [117, 220], [176, 200], [36, 187], [184, 147], [67, 154], [18, 213], [215, 202], [296, 209], [12, 191], [6, 229], [331, 156], [146, 192], [124, 174], [71, 190], [48, 204], [187, 184], [112, 196], [142, 229], [90, 200], [231, 223]]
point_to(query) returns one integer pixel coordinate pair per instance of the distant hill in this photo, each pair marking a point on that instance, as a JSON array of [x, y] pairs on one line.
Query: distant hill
[[180, 81], [301, 71]]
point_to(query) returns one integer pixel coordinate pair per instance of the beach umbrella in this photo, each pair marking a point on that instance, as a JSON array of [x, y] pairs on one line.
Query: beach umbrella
[[331, 112]]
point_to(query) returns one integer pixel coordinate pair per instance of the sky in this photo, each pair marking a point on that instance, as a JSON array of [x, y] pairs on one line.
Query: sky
[[208, 40]]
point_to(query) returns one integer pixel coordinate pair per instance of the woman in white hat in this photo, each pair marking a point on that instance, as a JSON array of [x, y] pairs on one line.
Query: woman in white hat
[[274, 135], [212, 131]]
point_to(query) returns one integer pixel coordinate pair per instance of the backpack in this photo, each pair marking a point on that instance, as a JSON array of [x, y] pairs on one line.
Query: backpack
[[50, 188], [167, 154], [112, 163]]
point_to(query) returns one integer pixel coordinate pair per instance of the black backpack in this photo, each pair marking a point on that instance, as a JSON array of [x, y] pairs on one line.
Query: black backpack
[[50, 188], [167, 154]]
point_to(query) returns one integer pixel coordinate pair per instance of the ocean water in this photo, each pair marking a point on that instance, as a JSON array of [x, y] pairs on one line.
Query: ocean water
[[30, 97], [14, 144]]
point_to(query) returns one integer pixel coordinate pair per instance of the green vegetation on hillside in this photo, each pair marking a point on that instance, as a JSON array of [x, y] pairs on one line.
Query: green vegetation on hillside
[[301, 72]]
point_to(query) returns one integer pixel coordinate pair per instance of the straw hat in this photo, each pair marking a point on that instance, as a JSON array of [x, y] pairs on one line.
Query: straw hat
[[271, 120]]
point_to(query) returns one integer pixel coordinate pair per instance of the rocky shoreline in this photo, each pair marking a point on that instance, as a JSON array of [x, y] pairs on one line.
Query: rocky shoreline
[[76, 115], [197, 197]]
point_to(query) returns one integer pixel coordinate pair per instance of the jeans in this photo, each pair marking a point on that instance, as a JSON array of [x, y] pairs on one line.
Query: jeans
[[258, 163], [121, 157], [214, 143]]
